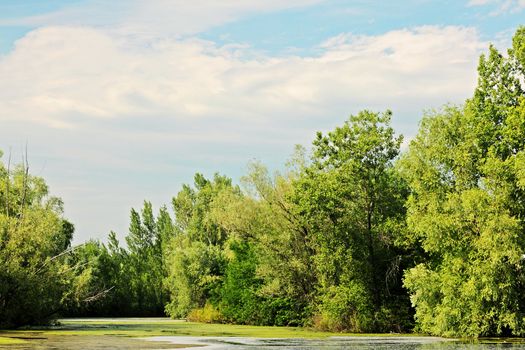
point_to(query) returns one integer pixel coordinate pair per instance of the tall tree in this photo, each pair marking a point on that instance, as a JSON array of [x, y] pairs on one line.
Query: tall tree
[[467, 206], [195, 260], [269, 279], [352, 201], [33, 237], [147, 235]]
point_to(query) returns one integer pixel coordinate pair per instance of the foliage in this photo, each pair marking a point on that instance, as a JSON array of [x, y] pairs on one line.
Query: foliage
[[206, 314], [194, 277], [124, 282], [466, 208], [104, 275], [33, 236], [239, 300], [351, 201], [268, 278], [146, 239], [196, 259], [353, 236]]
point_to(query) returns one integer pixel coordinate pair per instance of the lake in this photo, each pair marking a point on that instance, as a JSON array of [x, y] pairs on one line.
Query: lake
[[163, 333], [335, 343]]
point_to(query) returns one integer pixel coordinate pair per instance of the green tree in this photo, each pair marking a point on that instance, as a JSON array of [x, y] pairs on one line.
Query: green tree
[[466, 208], [195, 257], [33, 238], [268, 279], [87, 293], [147, 237], [351, 200], [194, 276], [113, 281]]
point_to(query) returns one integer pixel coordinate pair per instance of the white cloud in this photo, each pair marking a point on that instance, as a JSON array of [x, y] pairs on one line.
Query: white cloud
[[59, 75], [120, 120]]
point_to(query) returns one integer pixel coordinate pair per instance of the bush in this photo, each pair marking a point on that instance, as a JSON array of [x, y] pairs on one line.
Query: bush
[[345, 308], [206, 314]]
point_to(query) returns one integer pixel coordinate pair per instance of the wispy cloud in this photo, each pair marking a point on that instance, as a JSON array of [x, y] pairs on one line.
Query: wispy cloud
[[500, 6], [83, 75], [155, 17], [120, 106], [479, 2]]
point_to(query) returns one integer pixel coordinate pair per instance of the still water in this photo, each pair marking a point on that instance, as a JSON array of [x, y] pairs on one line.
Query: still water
[[238, 343], [337, 343]]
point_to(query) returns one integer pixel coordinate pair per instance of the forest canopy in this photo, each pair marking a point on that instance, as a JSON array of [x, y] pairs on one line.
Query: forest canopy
[[354, 235]]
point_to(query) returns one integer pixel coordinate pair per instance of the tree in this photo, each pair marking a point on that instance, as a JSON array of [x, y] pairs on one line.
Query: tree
[[119, 281], [33, 238], [467, 205], [195, 257], [147, 237], [351, 200], [268, 279], [88, 292]]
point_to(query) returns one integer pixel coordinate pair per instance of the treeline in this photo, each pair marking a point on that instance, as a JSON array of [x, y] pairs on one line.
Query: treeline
[[353, 236], [312, 246]]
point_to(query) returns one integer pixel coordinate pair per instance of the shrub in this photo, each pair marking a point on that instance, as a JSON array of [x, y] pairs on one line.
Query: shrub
[[206, 314], [345, 308]]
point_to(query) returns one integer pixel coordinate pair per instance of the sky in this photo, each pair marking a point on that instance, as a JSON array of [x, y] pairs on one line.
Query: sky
[[124, 101]]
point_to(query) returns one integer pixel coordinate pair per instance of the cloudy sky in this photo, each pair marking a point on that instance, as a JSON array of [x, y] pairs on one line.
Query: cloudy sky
[[124, 100]]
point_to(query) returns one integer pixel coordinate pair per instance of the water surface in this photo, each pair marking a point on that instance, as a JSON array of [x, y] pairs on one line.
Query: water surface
[[337, 343], [163, 333]]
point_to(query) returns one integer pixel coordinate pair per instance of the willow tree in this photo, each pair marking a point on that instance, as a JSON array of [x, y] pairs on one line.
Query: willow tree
[[466, 210], [268, 278], [33, 237]]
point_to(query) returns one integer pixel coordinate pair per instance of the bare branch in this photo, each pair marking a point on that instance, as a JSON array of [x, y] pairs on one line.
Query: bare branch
[[25, 165], [7, 183], [98, 296], [67, 251]]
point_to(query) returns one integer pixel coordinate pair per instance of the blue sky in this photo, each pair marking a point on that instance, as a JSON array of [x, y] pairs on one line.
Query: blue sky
[[123, 101], [305, 26]]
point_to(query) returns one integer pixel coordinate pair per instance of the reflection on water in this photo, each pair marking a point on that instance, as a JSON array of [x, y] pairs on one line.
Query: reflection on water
[[209, 343], [336, 343]]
